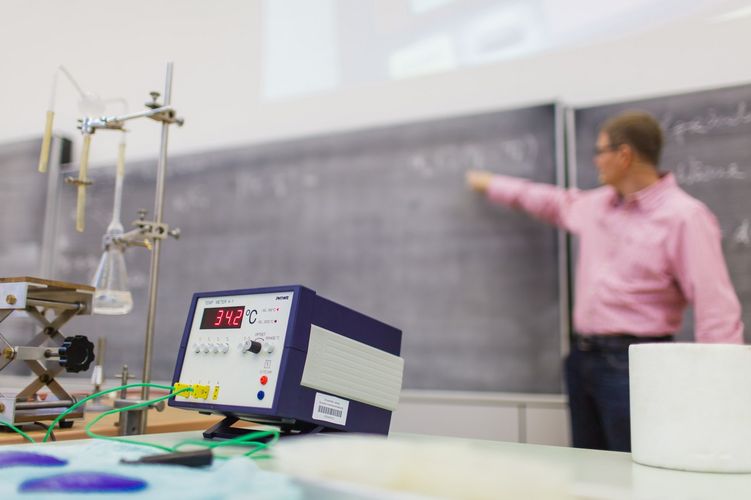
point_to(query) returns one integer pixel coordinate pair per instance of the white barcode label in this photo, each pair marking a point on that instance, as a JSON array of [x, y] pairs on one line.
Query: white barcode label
[[330, 409]]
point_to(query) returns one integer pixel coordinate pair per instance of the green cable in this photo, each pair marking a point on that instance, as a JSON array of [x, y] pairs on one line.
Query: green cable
[[212, 446], [91, 433], [264, 446], [13, 427], [245, 439], [250, 439], [96, 395], [51, 428]]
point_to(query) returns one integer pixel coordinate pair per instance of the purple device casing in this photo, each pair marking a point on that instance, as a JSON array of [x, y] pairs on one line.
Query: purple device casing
[[293, 403]]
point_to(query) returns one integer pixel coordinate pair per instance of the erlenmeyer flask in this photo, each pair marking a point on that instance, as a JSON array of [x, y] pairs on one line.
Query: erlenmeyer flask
[[111, 281]]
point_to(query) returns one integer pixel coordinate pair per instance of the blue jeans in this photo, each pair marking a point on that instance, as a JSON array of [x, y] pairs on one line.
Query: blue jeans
[[597, 383]]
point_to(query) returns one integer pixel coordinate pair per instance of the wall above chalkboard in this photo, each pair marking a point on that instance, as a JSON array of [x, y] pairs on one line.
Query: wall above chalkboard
[[379, 220], [708, 148]]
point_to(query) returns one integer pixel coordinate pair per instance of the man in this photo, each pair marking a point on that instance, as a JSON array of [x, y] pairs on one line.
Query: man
[[646, 249]]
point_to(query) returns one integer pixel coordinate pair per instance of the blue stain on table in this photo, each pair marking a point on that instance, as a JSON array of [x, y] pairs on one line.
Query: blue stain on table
[[236, 477], [28, 459], [82, 482]]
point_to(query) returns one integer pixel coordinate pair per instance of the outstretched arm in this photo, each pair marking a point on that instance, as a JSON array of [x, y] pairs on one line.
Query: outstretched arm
[[544, 201]]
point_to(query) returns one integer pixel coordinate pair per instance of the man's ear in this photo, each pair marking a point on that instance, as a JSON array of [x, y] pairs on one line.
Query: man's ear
[[627, 153]]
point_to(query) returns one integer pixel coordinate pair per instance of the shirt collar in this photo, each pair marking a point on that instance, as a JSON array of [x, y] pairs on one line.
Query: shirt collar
[[650, 196]]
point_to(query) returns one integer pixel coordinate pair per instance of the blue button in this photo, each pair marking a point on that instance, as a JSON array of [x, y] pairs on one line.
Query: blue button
[[261, 394]]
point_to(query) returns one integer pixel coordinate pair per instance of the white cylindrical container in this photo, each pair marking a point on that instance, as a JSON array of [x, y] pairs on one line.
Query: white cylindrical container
[[691, 406]]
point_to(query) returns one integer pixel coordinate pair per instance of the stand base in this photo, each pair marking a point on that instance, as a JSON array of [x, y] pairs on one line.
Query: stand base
[[224, 430]]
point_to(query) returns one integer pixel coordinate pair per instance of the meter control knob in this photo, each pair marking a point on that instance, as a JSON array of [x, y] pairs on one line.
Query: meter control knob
[[253, 346]]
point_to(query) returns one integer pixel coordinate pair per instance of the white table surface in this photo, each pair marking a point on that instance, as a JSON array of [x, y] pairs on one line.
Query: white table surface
[[592, 474]]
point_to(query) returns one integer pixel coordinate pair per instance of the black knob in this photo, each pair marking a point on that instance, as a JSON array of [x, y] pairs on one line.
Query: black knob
[[255, 347], [76, 354]]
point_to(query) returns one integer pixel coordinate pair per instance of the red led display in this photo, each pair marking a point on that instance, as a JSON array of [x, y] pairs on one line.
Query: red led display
[[222, 317]]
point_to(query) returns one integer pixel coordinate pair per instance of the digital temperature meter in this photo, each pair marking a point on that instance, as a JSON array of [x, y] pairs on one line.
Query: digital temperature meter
[[287, 356]]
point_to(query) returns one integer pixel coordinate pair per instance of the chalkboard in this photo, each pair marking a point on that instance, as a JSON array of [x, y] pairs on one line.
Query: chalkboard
[[378, 220], [708, 148], [24, 200], [22, 204]]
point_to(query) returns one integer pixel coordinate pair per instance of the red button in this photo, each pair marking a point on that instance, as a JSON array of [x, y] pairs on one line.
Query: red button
[[264, 379]]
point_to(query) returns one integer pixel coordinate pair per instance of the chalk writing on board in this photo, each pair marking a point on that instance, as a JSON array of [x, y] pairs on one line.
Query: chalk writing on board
[[83, 265], [251, 184], [693, 171], [310, 181], [248, 184], [703, 124], [742, 234], [194, 197], [522, 150], [20, 253]]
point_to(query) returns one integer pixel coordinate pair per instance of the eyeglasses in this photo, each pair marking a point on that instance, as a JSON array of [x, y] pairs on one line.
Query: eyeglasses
[[606, 149]]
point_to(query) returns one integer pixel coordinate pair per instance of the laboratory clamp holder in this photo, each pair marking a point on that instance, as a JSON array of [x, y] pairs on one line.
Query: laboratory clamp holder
[[110, 291]]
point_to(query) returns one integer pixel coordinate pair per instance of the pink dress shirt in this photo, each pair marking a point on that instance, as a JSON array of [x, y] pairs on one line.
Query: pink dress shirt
[[641, 259]]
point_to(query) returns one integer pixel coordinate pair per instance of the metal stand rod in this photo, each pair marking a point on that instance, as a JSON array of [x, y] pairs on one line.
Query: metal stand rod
[[154, 271], [63, 403], [54, 304]]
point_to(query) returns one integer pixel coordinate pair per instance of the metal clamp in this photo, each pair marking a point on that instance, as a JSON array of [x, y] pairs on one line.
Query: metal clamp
[[164, 114], [153, 230], [78, 182]]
